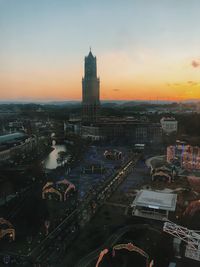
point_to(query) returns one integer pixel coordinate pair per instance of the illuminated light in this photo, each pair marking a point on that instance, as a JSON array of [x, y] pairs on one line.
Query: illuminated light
[[153, 207], [131, 247]]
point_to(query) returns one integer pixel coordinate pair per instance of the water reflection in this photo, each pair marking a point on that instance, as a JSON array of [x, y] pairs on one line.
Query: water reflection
[[51, 160]]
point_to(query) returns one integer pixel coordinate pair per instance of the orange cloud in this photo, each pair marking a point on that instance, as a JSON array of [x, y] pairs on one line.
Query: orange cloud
[[195, 63]]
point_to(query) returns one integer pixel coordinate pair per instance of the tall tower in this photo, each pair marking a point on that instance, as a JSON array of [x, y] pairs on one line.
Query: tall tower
[[90, 91]]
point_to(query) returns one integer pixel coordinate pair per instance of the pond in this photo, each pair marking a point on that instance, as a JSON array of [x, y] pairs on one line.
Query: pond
[[51, 160]]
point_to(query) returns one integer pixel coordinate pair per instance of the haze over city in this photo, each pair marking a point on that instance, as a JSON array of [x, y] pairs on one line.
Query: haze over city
[[145, 49]]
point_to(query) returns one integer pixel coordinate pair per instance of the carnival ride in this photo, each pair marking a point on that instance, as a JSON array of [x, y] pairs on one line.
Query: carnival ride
[[190, 237], [130, 247], [188, 156], [162, 176], [6, 228], [60, 188]]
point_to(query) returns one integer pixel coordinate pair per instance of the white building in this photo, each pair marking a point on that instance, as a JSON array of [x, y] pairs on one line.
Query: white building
[[153, 204], [169, 125]]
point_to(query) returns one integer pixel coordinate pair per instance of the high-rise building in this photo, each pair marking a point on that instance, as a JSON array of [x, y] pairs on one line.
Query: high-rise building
[[90, 91]]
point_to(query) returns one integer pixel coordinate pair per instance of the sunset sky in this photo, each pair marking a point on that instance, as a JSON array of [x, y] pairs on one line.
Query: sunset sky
[[145, 49]]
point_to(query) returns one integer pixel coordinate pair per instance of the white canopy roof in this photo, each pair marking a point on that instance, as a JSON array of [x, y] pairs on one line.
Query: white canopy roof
[[156, 200]]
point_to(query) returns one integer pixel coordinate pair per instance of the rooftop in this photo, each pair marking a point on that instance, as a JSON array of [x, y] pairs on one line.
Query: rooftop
[[156, 200], [168, 119], [11, 137]]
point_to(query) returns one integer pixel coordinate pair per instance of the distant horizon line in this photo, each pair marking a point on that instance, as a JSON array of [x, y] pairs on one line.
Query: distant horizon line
[[103, 100]]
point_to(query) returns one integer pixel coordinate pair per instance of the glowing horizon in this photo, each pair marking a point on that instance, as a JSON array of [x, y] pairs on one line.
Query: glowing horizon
[[144, 51]]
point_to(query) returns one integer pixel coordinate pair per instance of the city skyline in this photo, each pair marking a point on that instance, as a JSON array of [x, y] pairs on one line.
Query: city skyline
[[145, 51]]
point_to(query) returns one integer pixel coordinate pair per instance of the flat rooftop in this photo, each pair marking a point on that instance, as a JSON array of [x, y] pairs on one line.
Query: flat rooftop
[[155, 200], [12, 137]]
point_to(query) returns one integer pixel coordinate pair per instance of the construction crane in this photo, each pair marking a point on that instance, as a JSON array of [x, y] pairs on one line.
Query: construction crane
[[190, 237]]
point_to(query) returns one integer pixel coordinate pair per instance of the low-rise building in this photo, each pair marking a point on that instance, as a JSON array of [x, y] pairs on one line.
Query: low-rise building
[[124, 129], [19, 145], [154, 204], [169, 125]]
